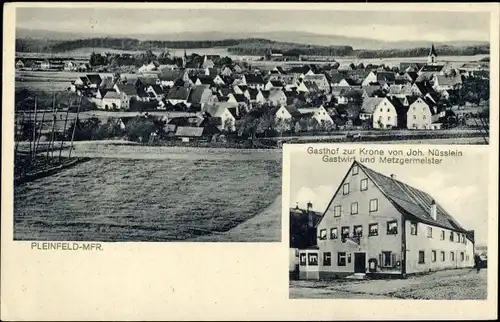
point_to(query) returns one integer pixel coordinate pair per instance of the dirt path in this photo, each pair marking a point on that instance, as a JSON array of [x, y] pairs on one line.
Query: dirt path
[[263, 227]]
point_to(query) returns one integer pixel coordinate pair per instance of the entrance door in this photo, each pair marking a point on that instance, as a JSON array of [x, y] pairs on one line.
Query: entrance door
[[359, 262]]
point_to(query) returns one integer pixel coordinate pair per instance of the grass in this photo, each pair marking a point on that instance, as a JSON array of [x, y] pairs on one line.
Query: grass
[[144, 200], [459, 284]]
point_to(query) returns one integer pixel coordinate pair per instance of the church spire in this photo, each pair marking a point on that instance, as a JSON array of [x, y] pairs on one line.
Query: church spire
[[431, 59]]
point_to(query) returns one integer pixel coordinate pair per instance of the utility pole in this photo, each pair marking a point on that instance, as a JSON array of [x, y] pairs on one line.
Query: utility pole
[[64, 129], [40, 132], [50, 148], [74, 127], [32, 149]]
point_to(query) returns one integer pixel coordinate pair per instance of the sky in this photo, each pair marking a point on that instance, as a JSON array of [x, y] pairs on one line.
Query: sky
[[460, 191], [381, 25]]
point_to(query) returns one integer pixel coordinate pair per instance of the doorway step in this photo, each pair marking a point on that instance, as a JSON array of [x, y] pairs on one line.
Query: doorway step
[[357, 276]]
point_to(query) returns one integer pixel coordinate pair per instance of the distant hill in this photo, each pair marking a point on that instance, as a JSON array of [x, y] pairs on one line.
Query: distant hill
[[279, 36], [57, 42]]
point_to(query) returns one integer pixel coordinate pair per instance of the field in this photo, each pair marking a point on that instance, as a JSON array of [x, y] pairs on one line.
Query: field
[[461, 284], [162, 199]]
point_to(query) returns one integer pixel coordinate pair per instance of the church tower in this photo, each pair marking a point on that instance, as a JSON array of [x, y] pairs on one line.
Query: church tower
[[431, 59]]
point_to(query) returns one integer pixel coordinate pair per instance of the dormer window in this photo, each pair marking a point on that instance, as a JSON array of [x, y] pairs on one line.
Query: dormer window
[[355, 170]]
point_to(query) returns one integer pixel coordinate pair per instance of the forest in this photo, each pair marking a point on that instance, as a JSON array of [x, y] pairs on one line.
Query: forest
[[250, 46]]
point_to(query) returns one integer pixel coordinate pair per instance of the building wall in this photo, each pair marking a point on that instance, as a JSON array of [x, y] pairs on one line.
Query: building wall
[[109, 102], [421, 242], [387, 115], [373, 246], [307, 270], [419, 115]]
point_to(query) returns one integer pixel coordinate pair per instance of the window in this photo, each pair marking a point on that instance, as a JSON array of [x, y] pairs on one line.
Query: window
[[429, 232], [434, 256], [345, 231], [388, 110], [458, 238], [451, 236], [327, 259], [334, 233], [349, 258], [336, 211], [423, 117], [452, 256], [354, 208], [345, 188], [373, 205], [414, 108], [313, 259], [388, 118], [442, 234], [462, 256], [443, 256], [413, 228], [341, 259], [421, 257], [414, 117], [386, 259], [373, 230], [364, 184], [355, 170], [392, 227], [322, 234], [358, 231], [302, 261]]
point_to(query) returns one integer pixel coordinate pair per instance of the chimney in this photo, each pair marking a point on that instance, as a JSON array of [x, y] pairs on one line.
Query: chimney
[[309, 215], [433, 210], [393, 176]]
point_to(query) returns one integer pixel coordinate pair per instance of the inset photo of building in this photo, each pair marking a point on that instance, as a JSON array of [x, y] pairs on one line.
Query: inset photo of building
[[356, 226]]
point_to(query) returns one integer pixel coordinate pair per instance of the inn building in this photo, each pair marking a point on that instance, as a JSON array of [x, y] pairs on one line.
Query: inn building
[[377, 225]]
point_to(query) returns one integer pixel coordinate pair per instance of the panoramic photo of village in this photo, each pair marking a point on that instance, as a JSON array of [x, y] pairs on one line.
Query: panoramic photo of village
[[369, 229], [172, 128]]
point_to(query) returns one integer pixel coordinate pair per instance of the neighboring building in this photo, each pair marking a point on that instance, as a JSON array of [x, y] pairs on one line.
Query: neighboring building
[[19, 64], [254, 81], [318, 113], [423, 114], [221, 111], [273, 84], [286, 113], [201, 95], [379, 77], [277, 97], [368, 107], [378, 225], [389, 113], [115, 101], [319, 80], [178, 95], [432, 57], [443, 83]]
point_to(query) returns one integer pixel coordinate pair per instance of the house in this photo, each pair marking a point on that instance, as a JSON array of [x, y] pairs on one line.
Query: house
[[442, 82], [254, 81], [273, 84], [169, 77], [45, 64], [204, 80], [423, 114], [373, 91], [368, 107], [319, 80], [347, 82], [262, 96], [239, 100], [277, 97], [381, 226], [187, 133], [400, 91], [178, 95], [421, 88], [157, 91], [389, 113], [411, 76], [318, 113], [19, 64], [94, 80], [142, 83], [202, 96], [379, 77], [217, 80], [431, 70], [226, 71], [221, 112], [115, 101], [286, 113]]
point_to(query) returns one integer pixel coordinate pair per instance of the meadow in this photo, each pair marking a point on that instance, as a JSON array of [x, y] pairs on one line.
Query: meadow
[[168, 199]]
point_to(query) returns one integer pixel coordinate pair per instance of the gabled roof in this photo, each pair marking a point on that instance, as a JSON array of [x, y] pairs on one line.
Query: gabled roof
[[451, 81], [218, 109], [157, 89], [398, 105], [432, 68], [128, 89], [146, 81], [94, 79], [196, 94], [189, 131], [385, 77], [178, 93], [206, 80], [292, 109], [169, 75], [254, 79], [433, 51], [240, 98], [265, 94], [276, 83], [370, 103], [411, 202], [112, 95], [253, 93]]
